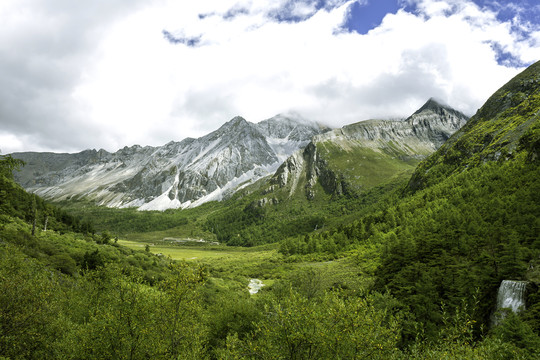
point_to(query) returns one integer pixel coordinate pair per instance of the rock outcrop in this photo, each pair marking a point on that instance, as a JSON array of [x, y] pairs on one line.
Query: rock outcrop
[[178, 174], [416, 137]]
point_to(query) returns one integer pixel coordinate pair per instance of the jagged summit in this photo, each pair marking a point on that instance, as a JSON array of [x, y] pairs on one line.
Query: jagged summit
[[436, 121], [178, 174], [237, 128], [235, 121], [432, 104], [437, 107], [506, 124], [193, 171]]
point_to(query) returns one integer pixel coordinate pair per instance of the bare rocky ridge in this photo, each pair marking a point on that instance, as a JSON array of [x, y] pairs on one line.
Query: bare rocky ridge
[[194, 171], [178, 174], [416, 137]]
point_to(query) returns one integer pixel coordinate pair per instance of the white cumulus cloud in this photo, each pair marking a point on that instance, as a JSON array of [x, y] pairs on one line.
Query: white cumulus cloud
[[105, 74]]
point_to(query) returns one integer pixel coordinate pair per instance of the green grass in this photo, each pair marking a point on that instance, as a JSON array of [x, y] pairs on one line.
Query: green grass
[[363, 167], [186, 252], [223, 261], [232, 267]]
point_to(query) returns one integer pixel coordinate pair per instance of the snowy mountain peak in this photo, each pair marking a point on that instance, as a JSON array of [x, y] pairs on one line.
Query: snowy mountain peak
[[178, 174], [435, 106], [193, 171], [291, 126]]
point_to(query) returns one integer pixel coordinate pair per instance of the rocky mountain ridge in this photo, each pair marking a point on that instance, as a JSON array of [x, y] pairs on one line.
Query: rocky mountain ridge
[[194, 171], [373, 141], [178, 174]]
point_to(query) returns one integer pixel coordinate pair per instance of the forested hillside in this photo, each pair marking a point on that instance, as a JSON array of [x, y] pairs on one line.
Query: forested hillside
[[67, 292], [469, 218]]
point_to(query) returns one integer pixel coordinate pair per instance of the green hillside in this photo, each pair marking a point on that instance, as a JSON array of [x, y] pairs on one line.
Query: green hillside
[[469, 218], [505, 127], [361, 167]]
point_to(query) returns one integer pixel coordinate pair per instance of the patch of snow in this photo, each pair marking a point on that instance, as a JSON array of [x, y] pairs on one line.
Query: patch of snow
[[216, 195], [235, 184], [134, 203], [163, 201], [205, 151]]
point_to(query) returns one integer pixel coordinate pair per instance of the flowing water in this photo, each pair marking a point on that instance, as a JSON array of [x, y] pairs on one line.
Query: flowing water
[[511, 296], [254, 286]]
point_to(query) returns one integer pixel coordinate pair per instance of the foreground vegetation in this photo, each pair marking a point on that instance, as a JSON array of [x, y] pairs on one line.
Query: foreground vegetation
[[80, 295], [308, 310]]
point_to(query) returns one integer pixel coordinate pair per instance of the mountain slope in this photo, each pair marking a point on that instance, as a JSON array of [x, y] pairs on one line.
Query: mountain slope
[[361, 155], [178, 174], [473, 213], [506, 124], [364, 161], [469, 218]]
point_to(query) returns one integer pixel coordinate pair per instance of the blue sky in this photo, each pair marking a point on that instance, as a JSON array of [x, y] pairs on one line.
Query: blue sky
[[101, 74], [366, 15], [524, 15]]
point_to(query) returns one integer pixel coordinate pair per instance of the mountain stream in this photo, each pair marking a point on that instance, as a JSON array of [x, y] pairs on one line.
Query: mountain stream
[[254, 286]]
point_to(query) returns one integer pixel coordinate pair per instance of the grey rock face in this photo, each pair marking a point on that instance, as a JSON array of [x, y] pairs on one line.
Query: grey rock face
[[425, 130], [178, 174], [194, 171], [417, 136]]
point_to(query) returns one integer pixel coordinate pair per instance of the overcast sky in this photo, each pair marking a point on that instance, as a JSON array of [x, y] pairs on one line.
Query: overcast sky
[[109, 73]]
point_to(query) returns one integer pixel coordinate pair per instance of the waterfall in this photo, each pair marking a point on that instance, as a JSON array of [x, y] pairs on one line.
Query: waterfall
[[511, 296]]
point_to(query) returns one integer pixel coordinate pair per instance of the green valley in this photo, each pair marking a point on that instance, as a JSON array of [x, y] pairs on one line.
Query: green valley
[[367, 248]]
